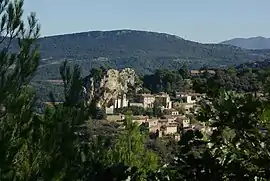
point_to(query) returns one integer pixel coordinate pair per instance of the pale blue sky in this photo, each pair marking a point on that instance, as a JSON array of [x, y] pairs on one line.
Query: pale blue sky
[[199, 20]]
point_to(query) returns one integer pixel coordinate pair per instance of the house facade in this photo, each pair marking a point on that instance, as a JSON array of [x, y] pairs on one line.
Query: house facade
[[172, 112], [164, 99], [170, 129], [147, 100]]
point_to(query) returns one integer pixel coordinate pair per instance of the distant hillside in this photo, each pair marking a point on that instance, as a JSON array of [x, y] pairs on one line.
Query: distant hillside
[[249, 43], [140, 50]]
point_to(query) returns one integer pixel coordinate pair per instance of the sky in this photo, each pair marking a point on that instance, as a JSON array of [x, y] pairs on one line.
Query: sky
[[206, 21]]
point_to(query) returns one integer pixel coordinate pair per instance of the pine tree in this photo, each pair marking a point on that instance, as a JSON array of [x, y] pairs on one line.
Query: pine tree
[[19, 150]]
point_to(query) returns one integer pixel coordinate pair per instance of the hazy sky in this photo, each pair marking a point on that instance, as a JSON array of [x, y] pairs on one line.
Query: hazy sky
[[199, 20]]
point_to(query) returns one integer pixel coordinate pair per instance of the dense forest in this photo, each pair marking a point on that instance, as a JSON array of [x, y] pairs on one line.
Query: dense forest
[[66, 143]]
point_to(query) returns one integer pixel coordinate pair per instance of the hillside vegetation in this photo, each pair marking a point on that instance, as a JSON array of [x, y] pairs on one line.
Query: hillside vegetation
[[140, 50]]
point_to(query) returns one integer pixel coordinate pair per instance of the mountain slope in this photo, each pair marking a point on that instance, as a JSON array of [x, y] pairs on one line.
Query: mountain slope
[[249, 43], [140, 50]]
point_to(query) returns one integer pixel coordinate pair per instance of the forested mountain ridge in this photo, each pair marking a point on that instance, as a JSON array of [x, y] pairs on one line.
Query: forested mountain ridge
[[141, 50]]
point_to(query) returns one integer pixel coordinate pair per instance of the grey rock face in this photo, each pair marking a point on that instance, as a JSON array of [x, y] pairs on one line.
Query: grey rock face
[[113, 85]]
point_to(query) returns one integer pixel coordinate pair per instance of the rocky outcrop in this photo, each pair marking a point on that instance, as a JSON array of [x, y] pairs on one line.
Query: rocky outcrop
[[112, 85]]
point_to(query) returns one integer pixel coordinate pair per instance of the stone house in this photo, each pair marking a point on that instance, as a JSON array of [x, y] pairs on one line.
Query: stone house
[[152, 122], [170, 129], [147, 100], [162, 122], [186, 97], [172, 112], [164, 99], [116, 118], [153, 125], [109, 110], [140, 119], [189, 97], [184, 121], [136, 104], [169, 118], [187, 107]]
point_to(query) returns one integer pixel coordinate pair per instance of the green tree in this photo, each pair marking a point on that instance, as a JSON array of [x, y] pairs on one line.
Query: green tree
[[149, 112], [235, 150], [20, 153], [184, 72], [130, 149], [157, 112], [35, 146]]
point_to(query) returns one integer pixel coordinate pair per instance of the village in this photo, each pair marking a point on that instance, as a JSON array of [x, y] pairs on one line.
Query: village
[[178, 113]]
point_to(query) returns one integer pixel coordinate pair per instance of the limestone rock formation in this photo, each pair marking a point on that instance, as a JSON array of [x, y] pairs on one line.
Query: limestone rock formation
[[111, 86]]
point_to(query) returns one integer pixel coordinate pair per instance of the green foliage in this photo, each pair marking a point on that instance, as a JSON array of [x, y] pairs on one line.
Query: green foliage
[[184, 72], [149, 112], [239, 80], [135, 110], [130, 149], [99, 114], [157, 112], [19, 149], [163, 81], [235, 150]]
